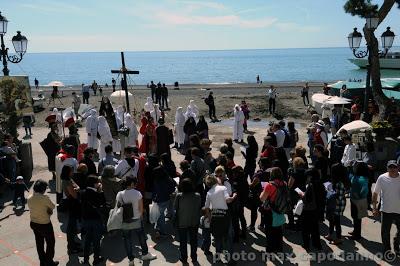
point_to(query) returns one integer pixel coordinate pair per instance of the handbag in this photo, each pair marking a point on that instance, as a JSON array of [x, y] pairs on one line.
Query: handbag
[[114, 221], [298, 209], [154, 212], [278, 219]]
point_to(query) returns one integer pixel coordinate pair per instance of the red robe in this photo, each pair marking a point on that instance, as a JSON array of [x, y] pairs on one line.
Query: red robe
[[149, 140]]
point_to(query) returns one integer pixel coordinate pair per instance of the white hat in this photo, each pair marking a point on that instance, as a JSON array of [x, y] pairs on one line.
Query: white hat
[[19, 178]]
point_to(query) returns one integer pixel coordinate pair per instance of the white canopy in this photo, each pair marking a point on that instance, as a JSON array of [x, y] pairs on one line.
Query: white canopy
[[120, 93], [355, 126], [338, 100], [56, 84]]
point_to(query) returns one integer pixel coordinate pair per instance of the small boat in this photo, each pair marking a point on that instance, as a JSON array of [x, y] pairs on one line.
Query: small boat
[[390, 61]]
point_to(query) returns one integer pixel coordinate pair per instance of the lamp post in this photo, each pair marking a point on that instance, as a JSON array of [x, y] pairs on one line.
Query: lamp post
[[355, 38], [19, 42]]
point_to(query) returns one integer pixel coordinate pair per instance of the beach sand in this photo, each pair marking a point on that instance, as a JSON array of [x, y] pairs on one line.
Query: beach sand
[[289, 104]]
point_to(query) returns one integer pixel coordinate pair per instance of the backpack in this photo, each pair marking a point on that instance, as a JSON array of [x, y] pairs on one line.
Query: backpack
[[207, 101], [281, 203], [286, 142], [127, 212]]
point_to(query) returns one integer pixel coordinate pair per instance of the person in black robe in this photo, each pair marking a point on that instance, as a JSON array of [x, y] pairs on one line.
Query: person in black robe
[[51, 145], [163, 141], [202, 128], [189, 129], [72, 139], [107, 111]]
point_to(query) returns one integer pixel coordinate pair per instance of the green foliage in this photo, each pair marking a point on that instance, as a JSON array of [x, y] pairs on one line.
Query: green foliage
[[9, 119], [361, 8]]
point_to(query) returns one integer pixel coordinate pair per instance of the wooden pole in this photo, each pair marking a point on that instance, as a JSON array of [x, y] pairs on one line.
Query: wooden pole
[[125, 83]]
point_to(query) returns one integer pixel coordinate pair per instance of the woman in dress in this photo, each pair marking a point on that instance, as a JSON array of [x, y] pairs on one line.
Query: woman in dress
[[202, 128]]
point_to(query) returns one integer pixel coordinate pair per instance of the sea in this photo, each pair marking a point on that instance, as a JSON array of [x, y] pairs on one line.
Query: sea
[[195, 67]]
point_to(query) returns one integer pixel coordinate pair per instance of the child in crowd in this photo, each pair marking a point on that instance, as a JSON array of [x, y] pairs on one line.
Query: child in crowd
[[19, 192], [206, 233]]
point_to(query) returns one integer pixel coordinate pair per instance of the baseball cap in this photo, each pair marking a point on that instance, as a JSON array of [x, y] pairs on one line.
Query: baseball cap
[[19, 178], [391, 163]]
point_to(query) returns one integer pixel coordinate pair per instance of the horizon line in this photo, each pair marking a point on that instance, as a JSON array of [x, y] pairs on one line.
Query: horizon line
[[189, 50]]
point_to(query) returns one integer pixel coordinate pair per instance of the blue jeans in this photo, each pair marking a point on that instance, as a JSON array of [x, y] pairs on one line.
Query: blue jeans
[[206, 234], [183, 233], [128, 242], [160, 224], [94, 231]]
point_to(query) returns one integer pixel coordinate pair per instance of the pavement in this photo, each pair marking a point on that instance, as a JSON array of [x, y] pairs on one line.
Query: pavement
[[17, 243]]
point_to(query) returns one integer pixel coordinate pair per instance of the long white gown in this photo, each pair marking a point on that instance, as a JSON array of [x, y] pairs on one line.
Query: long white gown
[[149, 105], [238, 123], [156, 113], [179, 123], [192, 110], [92, 123], [119, 116], [133, 132], [105, 136]]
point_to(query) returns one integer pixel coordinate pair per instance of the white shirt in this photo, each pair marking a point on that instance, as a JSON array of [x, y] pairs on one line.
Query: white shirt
[[216, 197], [349, 155], [124, 169], [389, 188], [271, 94], [280, 138], [130, 196], [228, 187]]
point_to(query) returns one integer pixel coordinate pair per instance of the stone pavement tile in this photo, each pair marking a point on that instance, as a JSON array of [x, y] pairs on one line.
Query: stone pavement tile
[[17, 260]]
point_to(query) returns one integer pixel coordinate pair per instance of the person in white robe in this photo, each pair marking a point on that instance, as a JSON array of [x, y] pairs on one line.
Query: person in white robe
[[105, 136], [119, 117], [149, 105], [192, 110], [92, 123], [238, 124], [179, 124], [131, 140], [59, 120], [156, 113]]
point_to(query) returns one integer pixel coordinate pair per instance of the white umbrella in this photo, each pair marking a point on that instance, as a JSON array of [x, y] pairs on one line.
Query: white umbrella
[[338, 100], [56, 84], [120, 93], [355, 126]]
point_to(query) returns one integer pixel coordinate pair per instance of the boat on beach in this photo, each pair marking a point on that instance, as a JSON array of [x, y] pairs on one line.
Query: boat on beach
[[390, 61]]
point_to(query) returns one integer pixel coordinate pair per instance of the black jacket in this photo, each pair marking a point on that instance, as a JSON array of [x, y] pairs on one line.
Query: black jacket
[[92, 204]]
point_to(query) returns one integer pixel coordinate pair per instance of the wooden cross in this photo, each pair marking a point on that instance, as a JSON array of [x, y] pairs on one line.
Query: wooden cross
[[124, 71]]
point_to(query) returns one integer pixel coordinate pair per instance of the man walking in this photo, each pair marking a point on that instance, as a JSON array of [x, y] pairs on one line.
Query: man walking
[[164, 97], [41, 208], [304, 94], [36, 83], [272, 98], [153, 91], [85, 93], [388, 187], [114, 84]]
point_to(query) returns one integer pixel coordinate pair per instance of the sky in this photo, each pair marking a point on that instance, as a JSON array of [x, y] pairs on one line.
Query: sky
[[165, 25]]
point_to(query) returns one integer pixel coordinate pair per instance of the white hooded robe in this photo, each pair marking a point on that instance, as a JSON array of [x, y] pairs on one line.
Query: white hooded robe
[[179, 124], [92, 123], [238, 123], [105, 136], [133, 132], [192, 110]]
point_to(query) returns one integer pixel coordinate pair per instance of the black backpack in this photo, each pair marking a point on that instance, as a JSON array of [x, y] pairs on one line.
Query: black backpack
[[281, 205], [127, 212]]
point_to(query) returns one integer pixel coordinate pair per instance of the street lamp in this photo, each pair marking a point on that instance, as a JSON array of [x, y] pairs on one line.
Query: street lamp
[[354, 39], [19, 42]]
